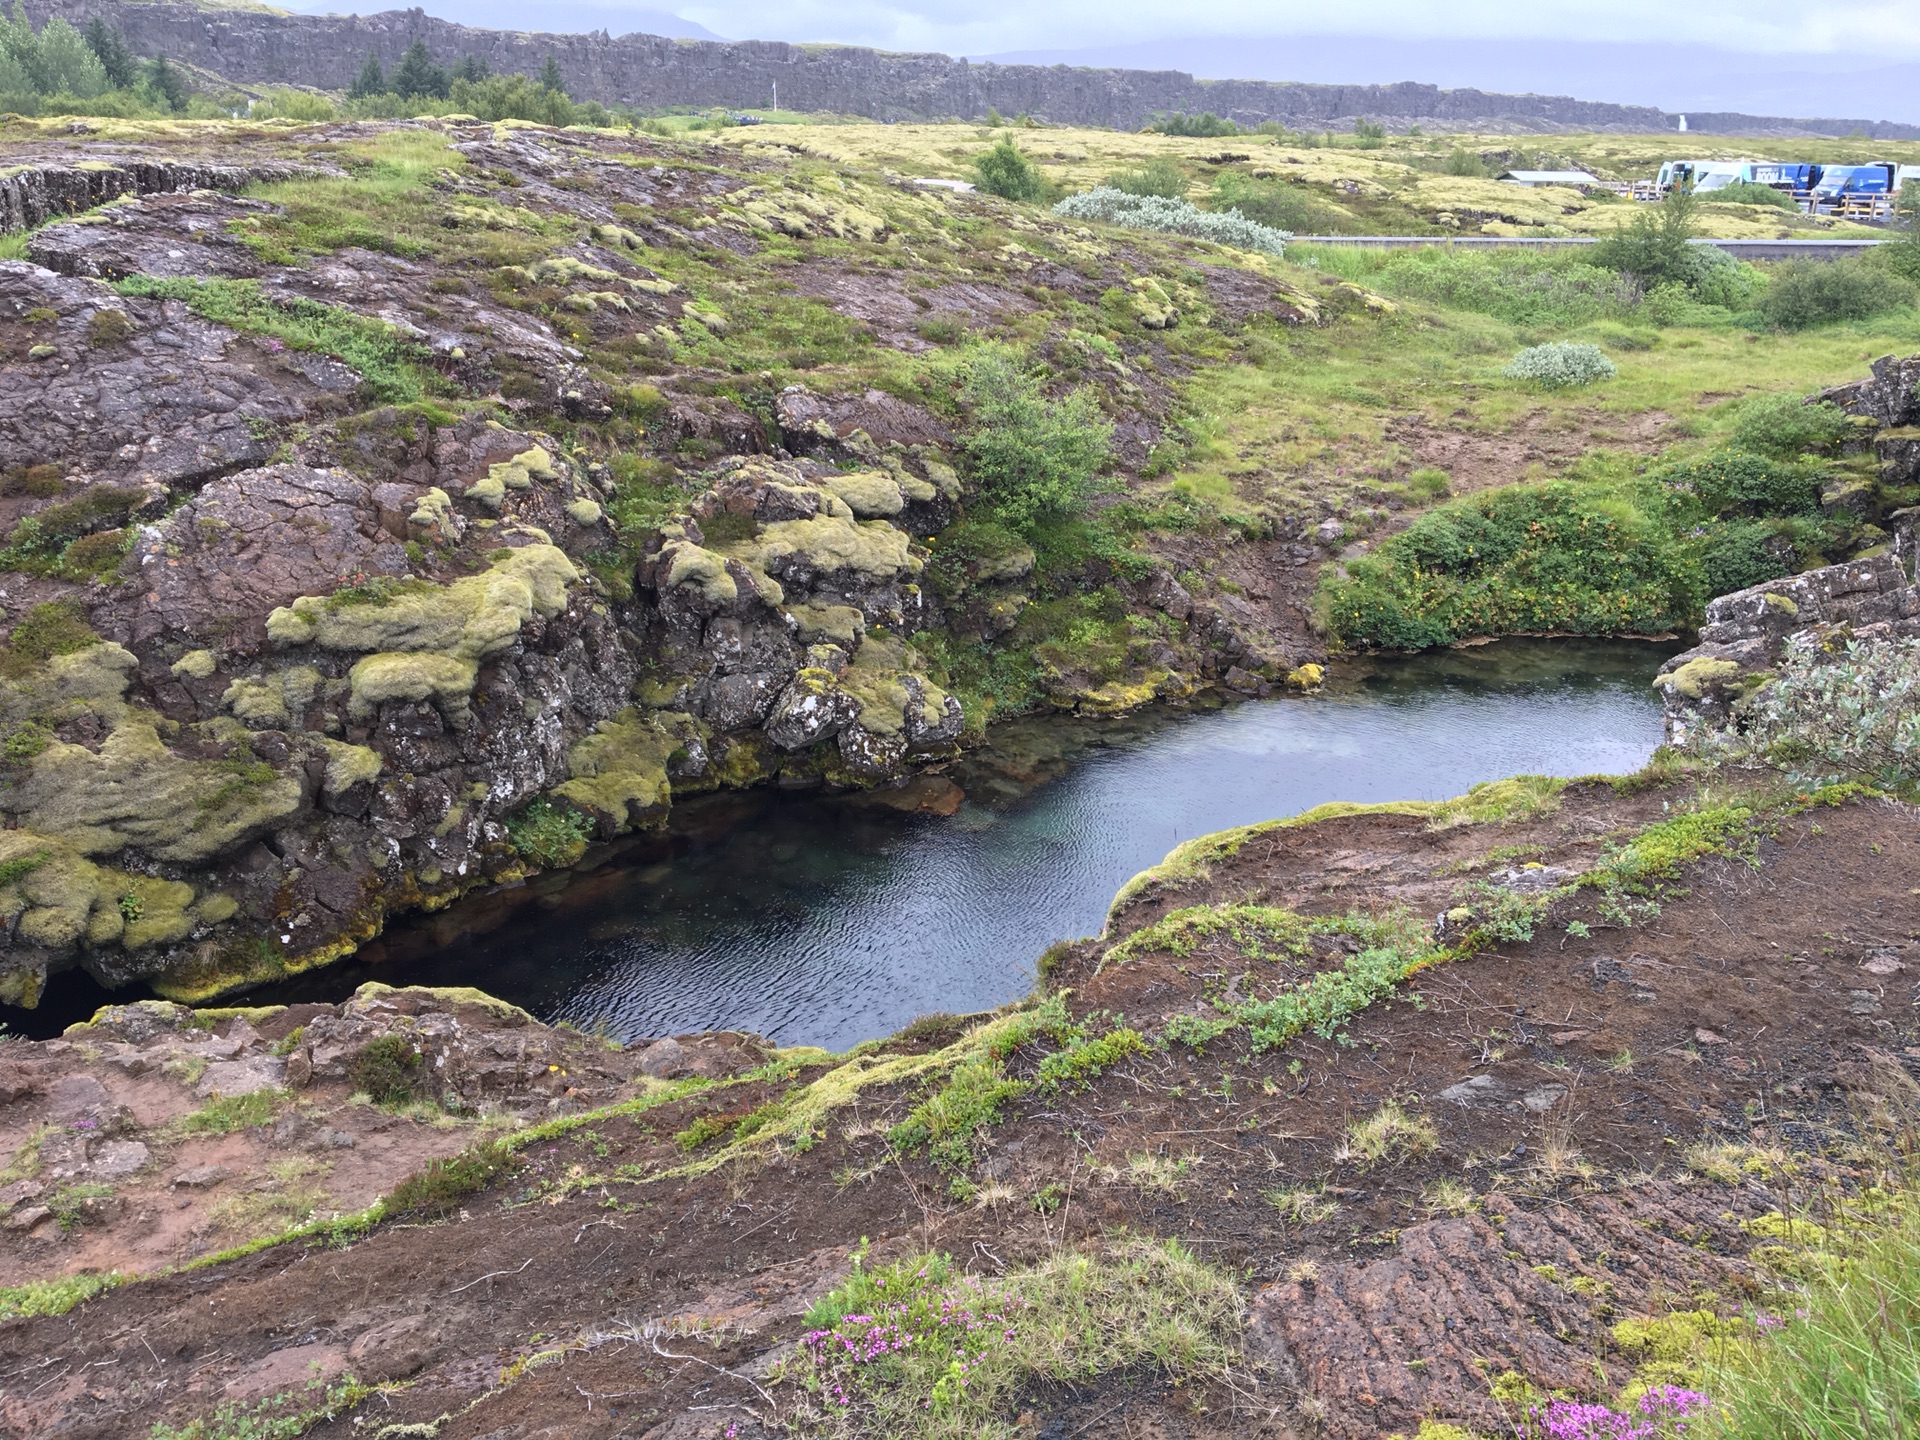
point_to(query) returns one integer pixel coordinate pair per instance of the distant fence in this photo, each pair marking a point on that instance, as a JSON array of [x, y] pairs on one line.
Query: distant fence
[[1740, 249]]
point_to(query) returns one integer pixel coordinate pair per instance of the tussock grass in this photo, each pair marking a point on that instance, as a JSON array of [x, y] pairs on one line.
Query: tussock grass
[[1133, 1305], [1392, 1133]]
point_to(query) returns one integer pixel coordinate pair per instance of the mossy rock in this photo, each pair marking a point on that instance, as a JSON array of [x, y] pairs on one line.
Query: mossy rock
[[842, 625], [833, 544], [869, 494], [619, 773], [471, 618], [1695, 678]]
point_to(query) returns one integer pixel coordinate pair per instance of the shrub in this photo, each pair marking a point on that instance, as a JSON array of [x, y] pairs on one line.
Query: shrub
[[1160, 176], [1655, 247], [1005, 172], [1741, 554], [1273, 203], [1726, 481], [387, 1070], [1806, 293], [1541, 290], [1173, 217], [1745, 192], [1560, 366], [1464, 162], [1204, 126], [1581, 557], [1831, 717], [547, 834], [282, 103], [1786, 425], [1033, 458]]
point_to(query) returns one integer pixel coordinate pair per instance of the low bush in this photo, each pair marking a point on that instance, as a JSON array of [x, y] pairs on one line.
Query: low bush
[[1807, 293], [1745, 192], [1828, 717], [1172, 217], [1005, 172], [387, 1069], [1561, 365], [1204, 126], [548, 834], [1786, 425], [1274, 203], [1033, 458], [1160, 176]]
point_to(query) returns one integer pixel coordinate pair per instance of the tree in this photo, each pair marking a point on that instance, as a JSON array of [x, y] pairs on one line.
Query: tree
[[550, 76], [110, 47], [418, 74], [1656, 248], [372, 80], [472, 69], [1005, 172], [166, 83]]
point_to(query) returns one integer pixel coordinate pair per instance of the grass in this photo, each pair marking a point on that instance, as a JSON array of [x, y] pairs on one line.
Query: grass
[[54, 1297], [394, 367], [277, 1417], [225, 1114], [1842, 1359], [1389, 1135], [919, 1351]]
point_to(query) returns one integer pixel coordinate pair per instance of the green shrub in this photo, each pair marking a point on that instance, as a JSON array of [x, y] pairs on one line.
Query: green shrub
[[548, 834], [1590, 557], [1032, 458], [1159, 176], [387, 1069], [1654, 247], [1727, 481], [1828, 717], [1273, 203], [1204, 126], [1745, 192], [1005, 172], [1464, 162], [1540, 290], [1560, 366], [1786, 425], [1806, 293], [1741, 554], [1172, 217]]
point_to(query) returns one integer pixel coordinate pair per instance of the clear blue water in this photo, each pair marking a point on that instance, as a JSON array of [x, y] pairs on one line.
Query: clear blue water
[[827, 921]]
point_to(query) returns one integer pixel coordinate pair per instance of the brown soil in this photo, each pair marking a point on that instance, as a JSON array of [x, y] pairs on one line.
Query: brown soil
[[1758, 1006], [1539, 446]]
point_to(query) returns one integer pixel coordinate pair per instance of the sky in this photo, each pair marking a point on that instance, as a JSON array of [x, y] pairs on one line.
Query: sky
[[1877, 29]]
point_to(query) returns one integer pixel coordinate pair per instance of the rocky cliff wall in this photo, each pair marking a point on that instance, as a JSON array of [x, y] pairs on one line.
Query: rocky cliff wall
[[650, 70]]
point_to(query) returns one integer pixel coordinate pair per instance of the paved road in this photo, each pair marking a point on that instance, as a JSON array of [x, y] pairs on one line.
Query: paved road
[[1743, 249]]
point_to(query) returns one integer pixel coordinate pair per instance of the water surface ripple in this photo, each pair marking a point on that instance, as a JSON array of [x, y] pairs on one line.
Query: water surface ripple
[[813, 920]]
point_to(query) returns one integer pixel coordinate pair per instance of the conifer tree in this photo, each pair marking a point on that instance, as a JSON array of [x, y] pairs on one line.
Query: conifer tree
[[550, 77], [372, 80], [418, 75], [166, 83], [116, 59]]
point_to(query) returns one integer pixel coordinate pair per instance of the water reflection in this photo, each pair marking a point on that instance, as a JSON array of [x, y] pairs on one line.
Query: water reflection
[[828, 921]]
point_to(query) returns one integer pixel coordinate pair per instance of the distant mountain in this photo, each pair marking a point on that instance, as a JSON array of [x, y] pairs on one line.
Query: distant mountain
[[1671, 77], [556, 17]]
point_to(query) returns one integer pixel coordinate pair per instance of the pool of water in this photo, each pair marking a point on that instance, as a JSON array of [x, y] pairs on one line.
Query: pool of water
[[830, 920]]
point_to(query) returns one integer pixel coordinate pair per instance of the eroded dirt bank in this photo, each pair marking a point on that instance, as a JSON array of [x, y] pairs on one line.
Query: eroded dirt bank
[[1598, 1122]]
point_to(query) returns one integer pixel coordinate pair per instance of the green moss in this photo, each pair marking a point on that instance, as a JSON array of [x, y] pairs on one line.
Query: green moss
[[54, 1297], [841, 625], [378, 680], [347, 766], [1520, 797], [54, 628], [869, 494], [469, 619], [1696, 677], [619, 772], [870, 549], [195, 665]]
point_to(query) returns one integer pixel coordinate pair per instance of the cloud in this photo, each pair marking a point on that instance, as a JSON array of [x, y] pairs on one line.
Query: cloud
[[1877, 28]]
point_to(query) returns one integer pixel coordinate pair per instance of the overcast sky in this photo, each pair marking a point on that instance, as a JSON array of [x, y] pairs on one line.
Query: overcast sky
[[1877, 30]]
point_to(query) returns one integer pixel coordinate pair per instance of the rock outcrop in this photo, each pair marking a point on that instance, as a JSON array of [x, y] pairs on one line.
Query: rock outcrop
[[1874, 596], [266, 47]]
